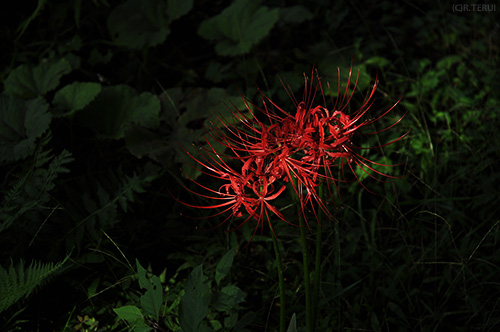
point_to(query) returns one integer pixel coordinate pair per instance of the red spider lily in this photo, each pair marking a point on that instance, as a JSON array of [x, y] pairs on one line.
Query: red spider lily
[[329, 137], [299, 149], [251, 190]]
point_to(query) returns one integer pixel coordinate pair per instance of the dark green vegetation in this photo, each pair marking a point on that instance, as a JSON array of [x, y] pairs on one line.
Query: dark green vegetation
[[98, 96]]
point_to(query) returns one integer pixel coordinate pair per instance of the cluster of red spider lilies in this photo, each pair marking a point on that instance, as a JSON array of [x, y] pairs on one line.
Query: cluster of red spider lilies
[[299, 150]]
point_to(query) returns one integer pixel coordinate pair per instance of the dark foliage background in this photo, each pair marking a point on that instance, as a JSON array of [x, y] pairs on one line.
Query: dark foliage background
[[100, 97]]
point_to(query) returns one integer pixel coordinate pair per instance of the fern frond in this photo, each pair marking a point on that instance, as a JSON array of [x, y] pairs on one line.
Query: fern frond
[[19, 282], [33, 187], [130, 185], [116, 191]]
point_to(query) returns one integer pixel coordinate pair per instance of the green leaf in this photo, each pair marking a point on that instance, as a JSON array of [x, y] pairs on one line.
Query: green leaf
[[133, 316], [21, 123], [244, 321], [178, 8], [142, 329], [186, 112], [448, 61], [375, 324], [29, 82], [239, 27], [75, 96], [228, 298], [32, 191], [398, 311], [194, 304], [19, 282], [129, 313], [295, 14], [217, 72], [141, 275], [117, 107], [152, 299], [142, 142], [139, 23], [292, 327], [377, 61], [224, 265]]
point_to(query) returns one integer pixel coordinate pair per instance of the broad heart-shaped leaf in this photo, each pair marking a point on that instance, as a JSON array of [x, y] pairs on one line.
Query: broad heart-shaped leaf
[[29, 82], [193, 307], [238, 27], [153, 297], [139, 23], [74, 97], [117, 107], [21, 123]]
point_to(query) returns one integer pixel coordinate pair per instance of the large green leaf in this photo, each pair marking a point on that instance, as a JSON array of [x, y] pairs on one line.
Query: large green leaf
[[139, 23], [75, 96], [188, 113], [178, 8], [194, 304], [144, 23], [21, 123], [228, 298], [152, 299], [202, 109], [118, 107], [224, 265], [28, 82], [239, 27], [295, 14]]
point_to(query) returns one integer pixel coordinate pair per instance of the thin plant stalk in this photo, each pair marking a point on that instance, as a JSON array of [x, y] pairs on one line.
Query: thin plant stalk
[[317, 267], [281, 284], [305, 261], [305, 268]]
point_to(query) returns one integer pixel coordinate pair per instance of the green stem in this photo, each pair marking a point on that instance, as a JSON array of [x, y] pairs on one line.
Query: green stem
[[281, 283], [305, 259], [317, 270], [305, 262]]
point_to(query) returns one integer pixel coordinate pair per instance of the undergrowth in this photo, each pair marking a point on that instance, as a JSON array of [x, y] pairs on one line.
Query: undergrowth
[[101, 100]]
